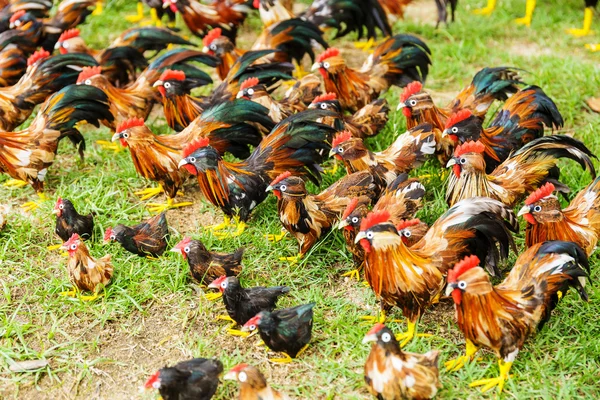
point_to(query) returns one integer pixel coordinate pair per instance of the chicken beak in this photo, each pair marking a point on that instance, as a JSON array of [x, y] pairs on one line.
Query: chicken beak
[[55, 212], [342, 224], [205, 49], [175, 250], [157, 83], [360, 236], [212, 285], [445, 133], [57, 45], [116, 137], [369, 338], [450, 288], [315, 66], [239, 95], [182, 163], [523, 211], [166, 4], [269, 188], [451, 162], [332, 153], [64, 248], [401, 105], [230, 376]]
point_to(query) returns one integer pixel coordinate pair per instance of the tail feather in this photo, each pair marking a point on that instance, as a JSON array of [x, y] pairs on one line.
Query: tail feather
[[13, 64], [407, 59], [294, 38], [150, 39], [179, 59], [122, 63]]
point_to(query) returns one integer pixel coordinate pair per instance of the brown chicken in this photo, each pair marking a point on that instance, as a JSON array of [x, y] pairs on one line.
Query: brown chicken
[[520, 120], [413, 278], [273, 11], [13, 64], [253, 385], [366, 122], [309, 217], [502, 317], [412, 230], [578, 223], [407, 152], [146, 239], [402, 198], [520, 174], [399, 60], [85, 272], [392, 374]]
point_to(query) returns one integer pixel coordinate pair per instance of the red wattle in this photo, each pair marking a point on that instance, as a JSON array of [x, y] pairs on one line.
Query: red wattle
[[277, 194], [162, 91], [62, 50], [256, 3], [454, 138], [406, 111], [123, 142], [323, 73], [338, 157], [457, 296], [456, 170], [366, 245], [529, 218], [348, 228], [191, 169]]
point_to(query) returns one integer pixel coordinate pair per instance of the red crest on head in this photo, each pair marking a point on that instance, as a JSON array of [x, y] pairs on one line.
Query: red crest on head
[[130, 123], [544, 191], [281, 177], [88, 72], [330, 52], [184, 242], [374, 218], [210, 36], [410, 89], [195, 145], [458, 117], [171, 74], [74, 238], [152, 380], [107, 234], [469, 147], [325, 97], [350, 208], [69, 34], [38, 55], [17, 15], [248, 83], [253, 321], [239, 367], [376, 328], [407, 223], [461, 267], [341, 138]]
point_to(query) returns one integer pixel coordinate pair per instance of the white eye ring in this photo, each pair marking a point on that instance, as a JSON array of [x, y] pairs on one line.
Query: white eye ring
[[462, 285], [537, 208], [88, 82], [340, 149], [283, 188], [112, 237], [323, 106], [73, 246], [325, 65], [192, 159], [250, 92], [386, 337], [213, 47], [370, 235], [455, 130], [61, 206], [167, 85], [354, 220], [412, 103], [18, 22], [252, 327], [242, 377], [186, 249], [224, 284], [463, 160], [65, 45], [407, 233], [126, 135]]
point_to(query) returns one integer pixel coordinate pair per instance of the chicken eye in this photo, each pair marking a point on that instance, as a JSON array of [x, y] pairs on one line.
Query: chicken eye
[[187, 249], [61, 206], [407, 233], [224, 285], [455, 130], [323, 106], [112, 237], [386, 337], [126, 135], [65, 45], [412, 103], [250, 92], [192, 159], [73, 246], [283, 188], [463, 160], [213, 47], [340, 149], [537, 208], [462, 285], [252, 327], [242, 377], [370, 235], [18, 23], [326, 65], [167, 85], [88, 82], [355, 220]]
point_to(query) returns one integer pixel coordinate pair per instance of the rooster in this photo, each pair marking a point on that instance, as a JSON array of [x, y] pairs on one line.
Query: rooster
[[309, 217], [253, 384], [296, 144], [520, 174], [502, 317], [578, 223], [273, 11], [85, 272], [391, 373], [402, 198], [366, 122], [413, 278], [26, 155], [37, 8], [146, 239], [412, 230], [399, 60], [229, 127], [197, 378], [13, 65], [408, 151], [519, 121]]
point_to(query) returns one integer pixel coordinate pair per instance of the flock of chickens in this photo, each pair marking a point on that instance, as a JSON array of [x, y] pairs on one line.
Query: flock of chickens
[[248, 139]]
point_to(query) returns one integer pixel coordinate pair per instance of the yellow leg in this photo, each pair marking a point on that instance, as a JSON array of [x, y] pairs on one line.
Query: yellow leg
[[459, 362], [155, 20], [410, 334], [285, 360], [226, 318], [292, 260], [381, 318], [333, 170], [240, 227], [237, 332], [150, 192], [593, 47], [368, 45], [302, 350], [587, 24], [277, 238], [529, 8], [15, 183], [32, 205], [162, 207], [299, 71], [436, 298], [140, 14], [90, 298], [213, 296], [99, 8], [70, 293], [487, 10], [106, 145], [219, 227], [498, 382], [54, 247], [354, 274]]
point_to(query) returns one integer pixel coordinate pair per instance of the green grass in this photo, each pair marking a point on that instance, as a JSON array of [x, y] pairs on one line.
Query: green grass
[[152, 314]]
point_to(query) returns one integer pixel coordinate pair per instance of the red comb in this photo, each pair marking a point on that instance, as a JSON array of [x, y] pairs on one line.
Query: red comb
[[239, 367], [469, 147], [210, 36], [341, 138], [88, 72], [410, 89], [186, 240], [17, 15], [107, 234], [325, 97], [72, 239], [38, 55], [248, 83], [330, 52], [407, 222], [195, 145], [69, 34], [281, 177], [130, 123], [150, 382], [171, 74], [374, 218], [376, 328], [461, 267], [458, 117], [543, 191], [350, 208]]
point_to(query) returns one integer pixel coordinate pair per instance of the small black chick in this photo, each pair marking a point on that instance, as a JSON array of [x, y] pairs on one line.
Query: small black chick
[[69, 221], [288, 330], [244, 303], [148, 238], [206, 266], [195, 379]]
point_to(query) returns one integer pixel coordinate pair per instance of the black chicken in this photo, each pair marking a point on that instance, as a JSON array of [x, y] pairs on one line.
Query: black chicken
[[148, 238], [69, 221], [288, 330], [196, 379], [244, 303]]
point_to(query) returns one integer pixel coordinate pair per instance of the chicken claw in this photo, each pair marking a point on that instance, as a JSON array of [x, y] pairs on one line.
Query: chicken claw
[[219, 227], [381, 318], [276, 238], [226, 318], [240, 227], [459, 362], [593, 47], [149, 193], [367, 46], [524, 21], [580, 32], [331, 171], [292, 260], [140, 14], [285, 360], [54, 247], [237, 332], [90, 298], [354, 274], [106, 145], [498, 381], [15, 183], [99, 8], [162, 207], [410, 334], [213, 296], [32, 205], [69, 293]]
